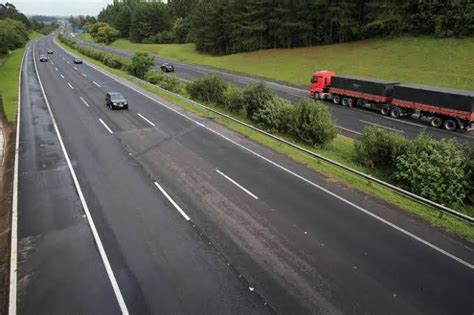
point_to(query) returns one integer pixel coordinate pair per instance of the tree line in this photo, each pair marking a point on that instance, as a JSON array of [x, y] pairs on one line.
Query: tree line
[[15, 27], [230, 26]]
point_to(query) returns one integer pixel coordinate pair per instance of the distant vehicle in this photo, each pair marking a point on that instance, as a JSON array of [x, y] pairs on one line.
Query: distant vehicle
[[50, 52], [443, 108], [77, 61], [44, 58], [166, 67], [115, 100]]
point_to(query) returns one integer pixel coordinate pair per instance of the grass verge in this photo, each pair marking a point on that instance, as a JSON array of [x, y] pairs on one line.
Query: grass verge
[[403, 59], [9, 71], [340, 149]]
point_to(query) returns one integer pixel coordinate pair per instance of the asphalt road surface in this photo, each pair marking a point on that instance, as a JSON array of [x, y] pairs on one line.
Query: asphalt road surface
[[350, 120], [194, 218]]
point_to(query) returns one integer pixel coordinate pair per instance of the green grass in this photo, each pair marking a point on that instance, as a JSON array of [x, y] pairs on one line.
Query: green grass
[[341, 149], [9, 71], [431, 61]]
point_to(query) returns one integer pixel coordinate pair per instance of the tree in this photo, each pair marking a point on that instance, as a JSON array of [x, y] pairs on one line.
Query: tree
[[140, 64], [148, 19], [13, 35], [106, 34]]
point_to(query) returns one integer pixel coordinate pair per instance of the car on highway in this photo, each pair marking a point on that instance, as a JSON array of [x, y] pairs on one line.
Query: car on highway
[[167, 67], [115, 100], [77, 61], [43, 58], [50, 52]]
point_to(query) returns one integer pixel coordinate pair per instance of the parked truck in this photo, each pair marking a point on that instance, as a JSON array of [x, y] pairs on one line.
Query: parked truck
[[449, 109]]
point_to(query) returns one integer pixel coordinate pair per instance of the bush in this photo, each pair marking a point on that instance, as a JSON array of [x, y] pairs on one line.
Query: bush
[[312, 123], [209, 88], [114, 61], [469, 170], [275, 114], [140, 64], [233, 99], [255, 97], [377, 147], [434, 170], [168, 82]]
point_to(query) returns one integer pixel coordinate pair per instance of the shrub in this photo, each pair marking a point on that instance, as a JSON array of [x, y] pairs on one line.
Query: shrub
[[140, 64], [168, 82], [275, 114], [469, 170], [312, 123], [255, 97], [434, 170], [377, 147], [209, 88], [233, 99]]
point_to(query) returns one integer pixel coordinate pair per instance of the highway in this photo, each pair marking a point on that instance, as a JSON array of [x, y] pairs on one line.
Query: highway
[[155, 210], [351, 120]]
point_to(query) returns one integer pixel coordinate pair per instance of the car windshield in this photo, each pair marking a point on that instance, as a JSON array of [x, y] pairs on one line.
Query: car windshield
[[116, 97]]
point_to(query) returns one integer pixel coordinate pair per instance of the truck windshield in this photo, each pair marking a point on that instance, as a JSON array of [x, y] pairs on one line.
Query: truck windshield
[[314, 79]]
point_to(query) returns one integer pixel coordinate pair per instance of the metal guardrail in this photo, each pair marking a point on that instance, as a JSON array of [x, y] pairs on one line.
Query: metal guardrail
[[370, 178], [415, 197]]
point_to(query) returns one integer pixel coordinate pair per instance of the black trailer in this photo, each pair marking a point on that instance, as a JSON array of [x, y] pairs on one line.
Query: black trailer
[[366, 92], [447, 108]]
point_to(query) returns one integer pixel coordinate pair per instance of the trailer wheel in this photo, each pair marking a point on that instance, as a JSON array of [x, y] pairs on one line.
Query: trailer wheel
[[385, 110], [396, 112], [347, 102], [436, 122], [450, 125], [336, 100]]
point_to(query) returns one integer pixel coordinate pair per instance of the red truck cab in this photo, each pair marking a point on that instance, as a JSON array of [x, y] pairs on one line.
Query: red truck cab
[[320, 83]]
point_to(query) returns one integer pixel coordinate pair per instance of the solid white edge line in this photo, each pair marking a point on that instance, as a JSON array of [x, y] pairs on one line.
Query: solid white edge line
[[14, 220], [70, 85], [96, 83], [100, 247], [237, 184], [105, 125], [432, 246], [84, 101], [185, 216], [381, 126], [146, 119]]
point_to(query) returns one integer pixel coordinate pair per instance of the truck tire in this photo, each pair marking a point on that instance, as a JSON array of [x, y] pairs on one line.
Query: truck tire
[[316, 96], [396, 112], [436, 122], [347, 102], [450, 125], [385, 110], [336, 100]]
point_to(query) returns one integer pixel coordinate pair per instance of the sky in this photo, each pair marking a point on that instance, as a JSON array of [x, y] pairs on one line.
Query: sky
[[59, 7]]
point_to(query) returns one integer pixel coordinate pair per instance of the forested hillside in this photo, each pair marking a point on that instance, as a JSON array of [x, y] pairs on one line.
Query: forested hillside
[[230, 26]]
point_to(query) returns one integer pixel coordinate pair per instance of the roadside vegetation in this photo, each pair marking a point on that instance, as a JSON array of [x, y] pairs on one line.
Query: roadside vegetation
[[15, 31], [418, 165]]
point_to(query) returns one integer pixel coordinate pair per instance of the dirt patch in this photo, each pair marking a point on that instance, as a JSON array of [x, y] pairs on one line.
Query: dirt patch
[[6, 190]]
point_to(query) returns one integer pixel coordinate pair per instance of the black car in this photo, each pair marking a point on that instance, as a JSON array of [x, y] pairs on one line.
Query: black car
[[115, 100], [50, 52], [77, 61], [166, 67], [44, 58]]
